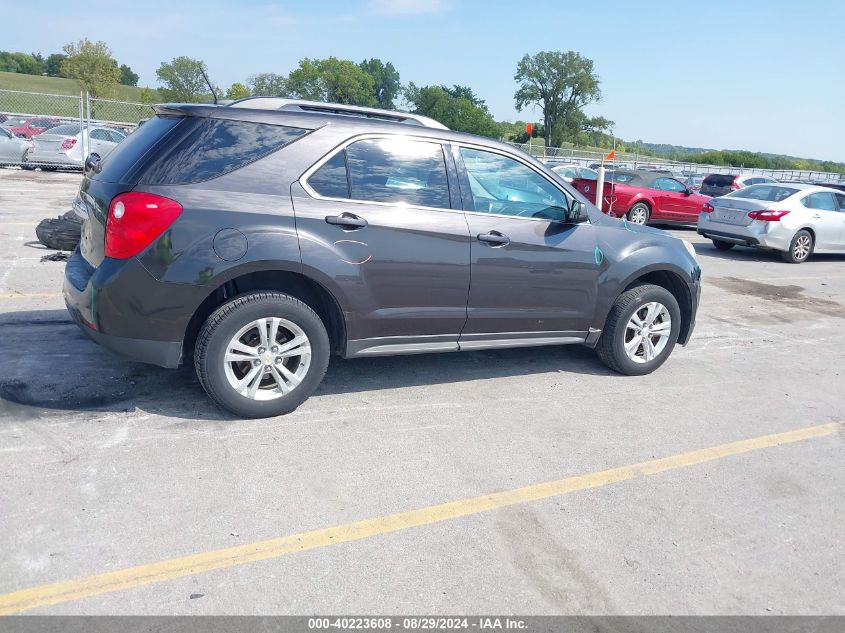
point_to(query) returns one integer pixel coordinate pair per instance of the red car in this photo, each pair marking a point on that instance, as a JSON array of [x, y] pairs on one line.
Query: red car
[[32, 126], [644, 196]]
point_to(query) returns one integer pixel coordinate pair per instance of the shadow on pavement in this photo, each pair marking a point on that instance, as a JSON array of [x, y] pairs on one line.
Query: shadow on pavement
[[48, 364]]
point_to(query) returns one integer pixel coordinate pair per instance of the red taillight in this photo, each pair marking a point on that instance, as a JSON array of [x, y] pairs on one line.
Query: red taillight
[[735, 186], [767, 216], [708, 208], [68, 143], [135, 220]]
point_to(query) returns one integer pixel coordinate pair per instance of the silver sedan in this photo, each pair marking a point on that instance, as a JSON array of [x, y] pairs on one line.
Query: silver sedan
[[793, 218], [12, 148]]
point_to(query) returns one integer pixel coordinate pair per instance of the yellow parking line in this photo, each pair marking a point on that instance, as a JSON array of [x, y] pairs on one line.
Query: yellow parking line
[[165, 570], [30, 295]]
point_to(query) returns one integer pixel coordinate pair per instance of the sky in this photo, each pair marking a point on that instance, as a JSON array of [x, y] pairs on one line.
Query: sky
[[762, 76]]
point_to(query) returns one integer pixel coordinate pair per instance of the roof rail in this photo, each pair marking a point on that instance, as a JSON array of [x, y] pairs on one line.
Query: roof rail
[[300, 105]]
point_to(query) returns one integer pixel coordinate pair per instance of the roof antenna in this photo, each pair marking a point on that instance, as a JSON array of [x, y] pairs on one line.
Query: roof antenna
[[210, 87]]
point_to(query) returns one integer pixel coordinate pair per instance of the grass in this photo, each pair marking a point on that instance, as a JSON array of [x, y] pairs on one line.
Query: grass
[[65, 105]]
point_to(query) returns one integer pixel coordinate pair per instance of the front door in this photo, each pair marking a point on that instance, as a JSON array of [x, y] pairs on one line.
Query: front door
[[674, 202], [533, 277], [375, 219]]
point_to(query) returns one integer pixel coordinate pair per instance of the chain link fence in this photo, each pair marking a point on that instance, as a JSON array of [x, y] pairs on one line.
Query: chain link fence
[[623, 160], [50, 131]]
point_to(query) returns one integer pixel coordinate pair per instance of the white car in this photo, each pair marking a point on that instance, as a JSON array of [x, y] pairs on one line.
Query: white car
[[795, 219], [571, 172], [12, 148], [62, 146]]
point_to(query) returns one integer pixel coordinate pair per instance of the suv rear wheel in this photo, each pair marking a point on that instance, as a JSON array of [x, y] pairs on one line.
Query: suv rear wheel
[[262, 354], [641, 330]]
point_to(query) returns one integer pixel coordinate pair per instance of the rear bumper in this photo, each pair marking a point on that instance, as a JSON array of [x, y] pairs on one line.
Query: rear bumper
[[95, 300], [763, 234]]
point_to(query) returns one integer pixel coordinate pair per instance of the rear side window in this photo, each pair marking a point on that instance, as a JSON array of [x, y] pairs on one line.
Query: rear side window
[[822, 201], [330, 180], [386, 170], [117, 166], [207, 148]]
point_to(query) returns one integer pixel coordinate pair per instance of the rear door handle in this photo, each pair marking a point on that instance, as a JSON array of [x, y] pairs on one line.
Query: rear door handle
[[817, 216], [346, 220], [494, 238]]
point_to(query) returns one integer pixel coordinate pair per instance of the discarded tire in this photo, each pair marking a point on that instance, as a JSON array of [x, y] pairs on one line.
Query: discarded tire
[[60, 233]]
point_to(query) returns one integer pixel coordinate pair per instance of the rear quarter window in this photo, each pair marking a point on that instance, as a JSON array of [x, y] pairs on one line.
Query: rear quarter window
[[202, 149]]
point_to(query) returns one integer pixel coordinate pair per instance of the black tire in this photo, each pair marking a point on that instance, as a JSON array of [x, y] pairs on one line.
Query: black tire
[[611, 346], [723, 246], [59, 233], [796, 255], [27, 167], [639, 210], [222, 326]]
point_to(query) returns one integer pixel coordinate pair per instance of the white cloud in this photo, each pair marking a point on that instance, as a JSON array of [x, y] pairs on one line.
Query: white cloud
[[407, 7]]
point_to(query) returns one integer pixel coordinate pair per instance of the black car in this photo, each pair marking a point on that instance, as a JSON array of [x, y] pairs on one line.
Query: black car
[[258, 242]]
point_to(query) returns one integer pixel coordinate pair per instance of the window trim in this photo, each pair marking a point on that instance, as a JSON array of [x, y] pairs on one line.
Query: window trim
[[303, 179], [463, 181]]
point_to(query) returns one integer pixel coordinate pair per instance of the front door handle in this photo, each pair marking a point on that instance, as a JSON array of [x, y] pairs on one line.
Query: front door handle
[[494, 238], [347, 221]]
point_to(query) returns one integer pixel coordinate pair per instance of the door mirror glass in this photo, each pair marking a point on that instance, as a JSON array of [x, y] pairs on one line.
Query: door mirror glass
[[576, 213]]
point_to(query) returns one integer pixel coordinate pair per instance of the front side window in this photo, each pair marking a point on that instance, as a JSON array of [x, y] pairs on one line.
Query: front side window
[[505, 186], [398, 170], [822, 201], [668, 184]]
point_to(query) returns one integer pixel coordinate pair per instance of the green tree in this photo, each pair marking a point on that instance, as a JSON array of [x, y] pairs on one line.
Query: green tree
[[268, 85], [53, 65], [92, 64], [561, 85], [127, 76], [183, 79], [26, 64], [237, 91], [147, 95], [386, 84], [332, 80], [456, 113]]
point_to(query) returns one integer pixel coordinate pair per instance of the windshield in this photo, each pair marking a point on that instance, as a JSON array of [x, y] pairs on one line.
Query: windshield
[[767, 193]]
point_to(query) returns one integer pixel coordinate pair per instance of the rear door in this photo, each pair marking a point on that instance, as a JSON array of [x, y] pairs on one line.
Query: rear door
[[378, 218], [826, 219], [533, 278]]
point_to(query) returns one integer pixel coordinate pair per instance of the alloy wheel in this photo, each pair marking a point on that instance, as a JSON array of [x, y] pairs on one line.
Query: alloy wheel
[[801, 249], [647, 332], [267, 358]]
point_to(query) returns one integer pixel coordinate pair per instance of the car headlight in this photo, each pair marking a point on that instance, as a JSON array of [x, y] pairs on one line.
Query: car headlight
[[690, 249]]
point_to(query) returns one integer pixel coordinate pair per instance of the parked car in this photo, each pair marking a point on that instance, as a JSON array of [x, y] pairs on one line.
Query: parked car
[[694, 181], [645, 196], [361, 243], [839, 186], [795, 219], [12, 148], [721, 184], [61, 146], [570, 171], [33, 126]]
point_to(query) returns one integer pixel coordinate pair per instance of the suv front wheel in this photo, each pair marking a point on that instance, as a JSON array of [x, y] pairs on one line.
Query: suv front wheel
[[262, 354], [641, 330]]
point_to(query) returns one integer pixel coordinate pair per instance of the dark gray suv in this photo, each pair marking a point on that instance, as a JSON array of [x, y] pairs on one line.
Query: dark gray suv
[[259, 238]]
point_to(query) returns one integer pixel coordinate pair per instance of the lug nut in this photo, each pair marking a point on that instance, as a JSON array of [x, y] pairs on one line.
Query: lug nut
[[261, 350], [256, 363], [274, 349], [267, 368], [278, 360]]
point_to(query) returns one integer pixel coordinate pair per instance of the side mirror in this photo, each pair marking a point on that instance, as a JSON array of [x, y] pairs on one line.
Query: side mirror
[[688, 192], [576, 213]]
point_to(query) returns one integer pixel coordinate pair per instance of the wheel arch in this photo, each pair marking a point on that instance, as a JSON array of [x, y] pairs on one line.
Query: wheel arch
[[673, 282], [295, 283]]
